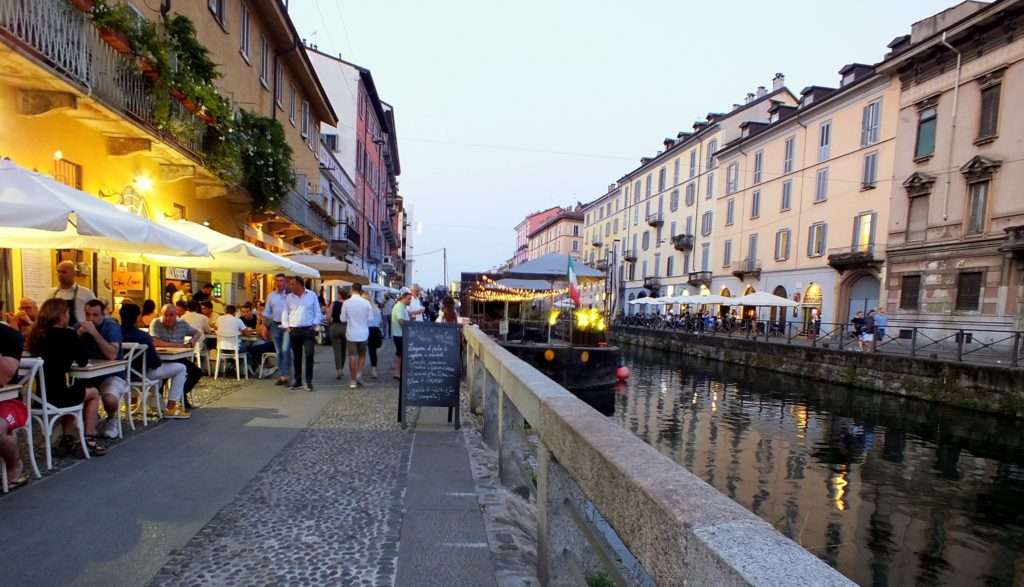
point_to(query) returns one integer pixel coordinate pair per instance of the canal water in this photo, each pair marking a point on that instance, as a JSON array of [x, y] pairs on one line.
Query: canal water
[[889, 491]]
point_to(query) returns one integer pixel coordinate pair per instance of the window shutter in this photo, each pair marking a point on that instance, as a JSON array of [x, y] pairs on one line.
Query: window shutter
[[824, 238], [786, 255], [865, 126], [810, 241], [856, 231]]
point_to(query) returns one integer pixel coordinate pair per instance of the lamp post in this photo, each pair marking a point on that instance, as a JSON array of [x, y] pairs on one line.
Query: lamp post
[[609, 281]]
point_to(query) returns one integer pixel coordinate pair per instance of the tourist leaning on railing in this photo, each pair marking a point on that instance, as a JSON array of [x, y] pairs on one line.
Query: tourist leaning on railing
[[59, 347]]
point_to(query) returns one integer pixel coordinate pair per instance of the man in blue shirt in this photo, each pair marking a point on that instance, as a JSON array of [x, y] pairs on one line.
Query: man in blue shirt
[[272, 314], [155, 368], [101, 337]]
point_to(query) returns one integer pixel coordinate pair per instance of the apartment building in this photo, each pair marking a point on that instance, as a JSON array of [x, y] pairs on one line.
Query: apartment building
[[956, 226], [560, 234], [366, 145], [523, 230], [600, 244], [667, 211], [74, 104], [803, 196]]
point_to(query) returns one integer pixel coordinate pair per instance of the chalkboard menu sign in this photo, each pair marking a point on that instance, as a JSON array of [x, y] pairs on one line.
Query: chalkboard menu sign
[[431, 367]]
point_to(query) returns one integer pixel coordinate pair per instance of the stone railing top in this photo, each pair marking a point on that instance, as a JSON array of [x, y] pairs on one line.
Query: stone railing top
[[681, 529]]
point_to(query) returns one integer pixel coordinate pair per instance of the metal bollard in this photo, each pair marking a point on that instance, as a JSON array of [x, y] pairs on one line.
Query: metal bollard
[[913, 342], [960, 346], [1015, 359]]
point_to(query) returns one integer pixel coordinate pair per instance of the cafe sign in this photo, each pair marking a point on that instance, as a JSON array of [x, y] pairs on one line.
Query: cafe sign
[[127, 281]]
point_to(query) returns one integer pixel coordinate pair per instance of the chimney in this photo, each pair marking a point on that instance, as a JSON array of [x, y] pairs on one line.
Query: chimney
[[612, 186], [668, 142], [778, 81], [749, 98], [761, 92]]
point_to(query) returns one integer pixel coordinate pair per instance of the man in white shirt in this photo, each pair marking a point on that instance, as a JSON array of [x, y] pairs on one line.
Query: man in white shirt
[[416, 310], [229, 325], [356, 313], [195, 319], [69, 291], [272, 315], [301, 316]]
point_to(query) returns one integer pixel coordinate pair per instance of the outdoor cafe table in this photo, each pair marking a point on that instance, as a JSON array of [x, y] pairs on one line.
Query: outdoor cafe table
[[9, 392], [174, 353], [95, 368]]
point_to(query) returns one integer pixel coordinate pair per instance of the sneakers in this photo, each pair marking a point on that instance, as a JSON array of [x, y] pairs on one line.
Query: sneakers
[[359, 381], [373, 371], [281, 381], [307, 387], [111, 427], [177, 413], [351, 384]]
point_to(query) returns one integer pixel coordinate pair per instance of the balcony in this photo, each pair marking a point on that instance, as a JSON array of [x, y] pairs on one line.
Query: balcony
[[53, 36], [297, 221], [656, 219], [597, 241], [601, 264], [344, 240], [855, 257], [388, 231], [747, 268], [1014, 242], [652, 283], [374, 253], [683, 242], [699, 278], [629, 255]]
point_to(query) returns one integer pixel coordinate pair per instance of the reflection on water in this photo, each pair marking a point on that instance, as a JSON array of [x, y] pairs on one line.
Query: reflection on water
[[887, 490]]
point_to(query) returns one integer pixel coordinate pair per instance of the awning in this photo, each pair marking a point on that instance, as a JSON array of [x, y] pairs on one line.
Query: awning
[[331, 267], [227, 253], [37, 212]]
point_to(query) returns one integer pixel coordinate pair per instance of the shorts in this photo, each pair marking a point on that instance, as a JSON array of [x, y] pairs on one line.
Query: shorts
[[356, 347], [14, 412], [398, 345], [113, 385], [866, 337]]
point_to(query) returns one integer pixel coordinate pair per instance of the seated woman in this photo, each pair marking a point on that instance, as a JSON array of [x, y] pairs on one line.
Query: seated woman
[[148, 313], [59, 346]]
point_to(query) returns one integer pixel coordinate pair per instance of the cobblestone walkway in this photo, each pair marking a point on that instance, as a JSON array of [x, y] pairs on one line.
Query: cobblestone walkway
[[326, 510]]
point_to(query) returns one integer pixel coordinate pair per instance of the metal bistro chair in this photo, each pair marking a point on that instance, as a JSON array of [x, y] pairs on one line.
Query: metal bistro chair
[[227, 348], [48, 415], [27, 374], [264, 370], [146, 387]]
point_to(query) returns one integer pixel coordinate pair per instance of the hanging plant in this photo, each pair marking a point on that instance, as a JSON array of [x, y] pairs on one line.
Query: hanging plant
[[266, 160]]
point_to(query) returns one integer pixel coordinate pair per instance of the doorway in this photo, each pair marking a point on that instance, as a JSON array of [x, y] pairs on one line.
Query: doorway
[[862, 295]]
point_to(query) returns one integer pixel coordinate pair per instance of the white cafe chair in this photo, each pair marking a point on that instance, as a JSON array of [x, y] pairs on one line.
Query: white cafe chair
[[264, 369], [48, 415], [138, 381], [227, 348], [27, 374]]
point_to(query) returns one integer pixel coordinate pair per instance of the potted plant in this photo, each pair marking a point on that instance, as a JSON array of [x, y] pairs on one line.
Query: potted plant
[[115, 24], [83, 5]]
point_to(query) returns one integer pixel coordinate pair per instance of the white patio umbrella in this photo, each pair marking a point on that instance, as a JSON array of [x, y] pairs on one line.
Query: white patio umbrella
[[37, 212], [330, 267], [227, 253], [710, 299], [764, 299]]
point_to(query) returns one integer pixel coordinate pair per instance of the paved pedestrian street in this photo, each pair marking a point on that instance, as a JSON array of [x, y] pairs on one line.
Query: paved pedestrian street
[[264, 486]]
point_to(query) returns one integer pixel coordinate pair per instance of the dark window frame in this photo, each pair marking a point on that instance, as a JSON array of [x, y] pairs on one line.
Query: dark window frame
[[962, 299]]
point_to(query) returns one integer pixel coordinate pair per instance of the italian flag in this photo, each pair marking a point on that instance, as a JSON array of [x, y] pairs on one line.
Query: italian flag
[[574, 289]]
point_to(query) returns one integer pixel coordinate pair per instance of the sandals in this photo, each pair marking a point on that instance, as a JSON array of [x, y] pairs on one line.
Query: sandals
[[95, 448], [21, 480]]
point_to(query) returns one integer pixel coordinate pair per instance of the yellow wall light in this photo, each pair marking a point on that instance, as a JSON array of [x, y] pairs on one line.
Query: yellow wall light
[[143, 183]]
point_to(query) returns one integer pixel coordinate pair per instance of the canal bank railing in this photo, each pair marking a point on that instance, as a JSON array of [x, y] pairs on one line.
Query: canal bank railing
[[608, 503], [1004, 348]]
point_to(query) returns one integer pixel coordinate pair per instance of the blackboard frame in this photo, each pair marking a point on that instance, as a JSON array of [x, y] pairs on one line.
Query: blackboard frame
[[454, 393]]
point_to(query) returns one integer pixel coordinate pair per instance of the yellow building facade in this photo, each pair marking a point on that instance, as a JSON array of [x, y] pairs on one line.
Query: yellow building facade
[[74, 108], [803, 203], [561, 234]]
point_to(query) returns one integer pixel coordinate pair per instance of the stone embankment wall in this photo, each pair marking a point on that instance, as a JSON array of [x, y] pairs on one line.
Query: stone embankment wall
[[980, 387]]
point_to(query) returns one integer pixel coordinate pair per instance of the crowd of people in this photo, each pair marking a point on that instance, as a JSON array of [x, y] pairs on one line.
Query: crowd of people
[[72, 327]]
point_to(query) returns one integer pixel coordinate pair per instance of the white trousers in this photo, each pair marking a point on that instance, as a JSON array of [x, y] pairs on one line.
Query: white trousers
[[176, 373]]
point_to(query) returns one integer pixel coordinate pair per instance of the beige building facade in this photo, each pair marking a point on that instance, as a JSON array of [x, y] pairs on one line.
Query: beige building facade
[[562, 234], [803, 199], [666, 205], [956, 227]]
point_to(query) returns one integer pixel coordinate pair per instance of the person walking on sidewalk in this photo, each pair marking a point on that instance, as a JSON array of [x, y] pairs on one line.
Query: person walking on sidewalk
[[399, 316], [356, 313], [300, 318], [376, 336], [272, 313], [336, 332]]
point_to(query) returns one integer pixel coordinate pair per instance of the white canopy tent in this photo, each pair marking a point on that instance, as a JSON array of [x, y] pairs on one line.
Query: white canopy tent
[[330, 267], [227, 254], [764, 299], [37, 212]]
